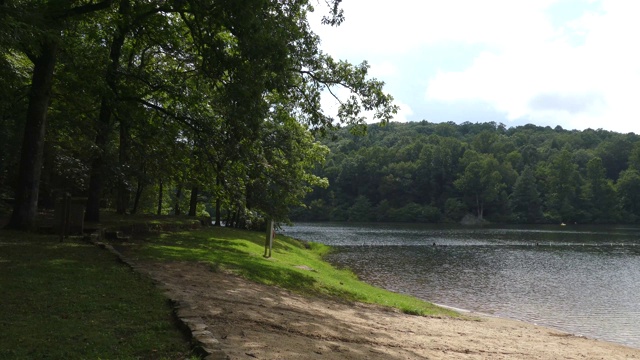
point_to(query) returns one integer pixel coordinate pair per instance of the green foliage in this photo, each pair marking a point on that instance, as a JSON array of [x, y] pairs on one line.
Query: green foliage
[[220, 97], [454, 209], [361, 210], [628, 189], [598, 193], [72, 300], [525, 202], [428, 172]]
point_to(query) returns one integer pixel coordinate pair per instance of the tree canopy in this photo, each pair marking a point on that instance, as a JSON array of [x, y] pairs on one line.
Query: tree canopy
[[434, 172], [141, 106]]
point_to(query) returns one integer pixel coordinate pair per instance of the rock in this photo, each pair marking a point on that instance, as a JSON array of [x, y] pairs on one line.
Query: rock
[[470, 219]]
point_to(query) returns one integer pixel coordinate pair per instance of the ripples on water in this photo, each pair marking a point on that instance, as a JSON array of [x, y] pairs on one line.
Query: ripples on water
[[584, 280]]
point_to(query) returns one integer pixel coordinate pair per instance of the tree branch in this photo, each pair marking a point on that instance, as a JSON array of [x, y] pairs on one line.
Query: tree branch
[[85, 9]]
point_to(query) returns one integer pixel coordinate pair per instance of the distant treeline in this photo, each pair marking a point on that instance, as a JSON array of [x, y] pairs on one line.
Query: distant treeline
[[439, 172]]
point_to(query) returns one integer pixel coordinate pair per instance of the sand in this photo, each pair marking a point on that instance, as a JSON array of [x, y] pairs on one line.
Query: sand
[[253, 321]]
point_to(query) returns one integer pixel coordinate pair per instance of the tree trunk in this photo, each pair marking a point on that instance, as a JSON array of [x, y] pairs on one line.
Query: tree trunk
[[142, 180], [236, 218], [193, 202], [229, 221], [136, 200], [47, 193], [98, 164], [218, 201], [159, 212], [25, 206], [218, 212], [104, 120], [124, 194], [176, 207]]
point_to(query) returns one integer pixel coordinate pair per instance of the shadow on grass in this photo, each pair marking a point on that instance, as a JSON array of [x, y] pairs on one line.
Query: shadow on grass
[[295, 266], [233, 250], [73, 300]]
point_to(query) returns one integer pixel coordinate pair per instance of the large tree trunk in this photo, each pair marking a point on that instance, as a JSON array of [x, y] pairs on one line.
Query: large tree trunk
[[104, 120], [25, 206], [193, 201]]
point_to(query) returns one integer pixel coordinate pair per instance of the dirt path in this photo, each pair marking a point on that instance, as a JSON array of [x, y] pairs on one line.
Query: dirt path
[[253, 321]]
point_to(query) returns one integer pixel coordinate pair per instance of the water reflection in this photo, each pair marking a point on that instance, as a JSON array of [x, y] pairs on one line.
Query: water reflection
[[582, 280]]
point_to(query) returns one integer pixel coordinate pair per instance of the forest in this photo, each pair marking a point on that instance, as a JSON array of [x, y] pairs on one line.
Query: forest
[[169, 106], [214, 109], [441, 172]]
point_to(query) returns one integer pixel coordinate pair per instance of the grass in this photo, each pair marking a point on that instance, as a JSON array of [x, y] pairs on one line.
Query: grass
[[292, 266], [72, 300]]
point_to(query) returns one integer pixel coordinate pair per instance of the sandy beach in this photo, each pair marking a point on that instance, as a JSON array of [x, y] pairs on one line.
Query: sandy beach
[[253, 321]]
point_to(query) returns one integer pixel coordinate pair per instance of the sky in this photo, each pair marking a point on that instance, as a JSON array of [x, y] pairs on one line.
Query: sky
[[573, 63]]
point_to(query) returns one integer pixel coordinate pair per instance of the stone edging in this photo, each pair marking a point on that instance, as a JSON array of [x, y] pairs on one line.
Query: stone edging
[[203, 341]]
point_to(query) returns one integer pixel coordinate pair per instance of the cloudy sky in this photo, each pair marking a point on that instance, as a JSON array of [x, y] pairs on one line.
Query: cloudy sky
[[573, 63]]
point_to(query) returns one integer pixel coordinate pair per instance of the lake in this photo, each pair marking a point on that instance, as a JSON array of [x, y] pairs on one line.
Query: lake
[[581, 279]]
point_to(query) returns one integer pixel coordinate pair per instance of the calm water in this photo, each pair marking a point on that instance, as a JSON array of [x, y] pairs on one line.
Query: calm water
[[584, 280]]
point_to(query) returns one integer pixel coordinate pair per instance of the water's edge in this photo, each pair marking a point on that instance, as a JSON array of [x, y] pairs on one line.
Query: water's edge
[[361, 241]]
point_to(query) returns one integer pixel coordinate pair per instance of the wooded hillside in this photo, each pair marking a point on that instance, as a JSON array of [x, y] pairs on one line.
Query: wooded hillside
[[435, 172]]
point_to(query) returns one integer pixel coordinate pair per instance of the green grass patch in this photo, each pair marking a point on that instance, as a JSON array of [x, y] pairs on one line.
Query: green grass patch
[[292, 266], [72, 300]]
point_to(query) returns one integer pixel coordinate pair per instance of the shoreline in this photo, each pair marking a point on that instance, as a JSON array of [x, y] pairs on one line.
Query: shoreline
[[576, 323], [544, 325], [268, 322]]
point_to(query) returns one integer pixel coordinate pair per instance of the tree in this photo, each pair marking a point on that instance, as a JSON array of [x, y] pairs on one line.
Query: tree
[[615, 154], [634, 157], [361, 211], [525, 200], [628, 189], [280, 171], [424, 168], [41, 43], [444, 164], [14, 75], [193, 64], [563, 184], [599, 193], [481, 180]]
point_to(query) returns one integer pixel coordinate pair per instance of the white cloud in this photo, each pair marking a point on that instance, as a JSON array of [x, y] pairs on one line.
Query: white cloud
[[375, 26], [404, 113], [384, 69], [593, 84], [578, 70]]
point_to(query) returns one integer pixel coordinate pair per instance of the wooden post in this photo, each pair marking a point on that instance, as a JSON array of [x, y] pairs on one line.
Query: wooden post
[[268, 244]]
